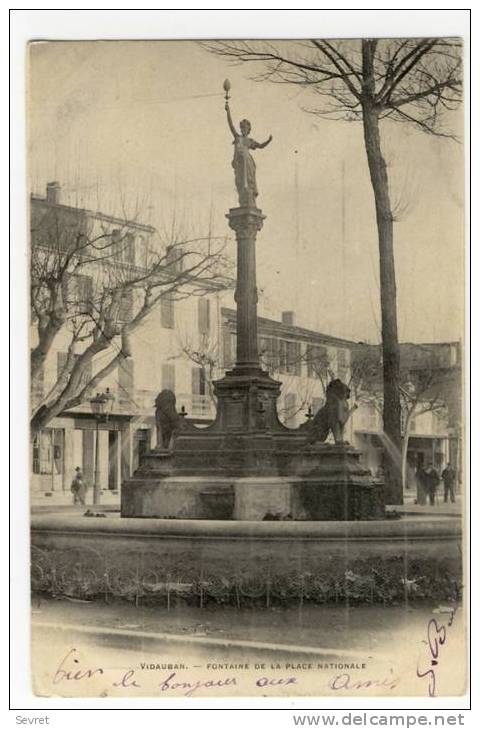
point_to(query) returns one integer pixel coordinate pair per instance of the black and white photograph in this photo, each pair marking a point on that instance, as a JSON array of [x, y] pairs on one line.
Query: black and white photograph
[[248, 471]]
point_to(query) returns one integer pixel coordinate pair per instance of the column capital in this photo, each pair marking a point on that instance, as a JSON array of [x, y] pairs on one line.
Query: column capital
[[246, 220]]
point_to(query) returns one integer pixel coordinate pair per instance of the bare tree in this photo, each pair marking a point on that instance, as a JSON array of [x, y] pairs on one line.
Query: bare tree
[[414, 81], [87, 285], [204, 354], [423, 391], [423, 388]]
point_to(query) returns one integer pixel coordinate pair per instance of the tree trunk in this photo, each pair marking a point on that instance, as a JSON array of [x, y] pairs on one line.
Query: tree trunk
[[405, 442], [388, 293]]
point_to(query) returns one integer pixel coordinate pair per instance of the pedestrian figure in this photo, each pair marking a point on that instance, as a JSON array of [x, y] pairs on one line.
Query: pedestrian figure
[[78, 488], [432, 479], [421, 480], [449, 477]]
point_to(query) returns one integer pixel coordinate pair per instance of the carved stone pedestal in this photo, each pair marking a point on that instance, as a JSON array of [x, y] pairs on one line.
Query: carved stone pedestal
[[247, 465]]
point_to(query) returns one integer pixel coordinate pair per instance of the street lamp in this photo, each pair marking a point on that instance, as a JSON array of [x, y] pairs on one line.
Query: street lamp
[[101, 405]]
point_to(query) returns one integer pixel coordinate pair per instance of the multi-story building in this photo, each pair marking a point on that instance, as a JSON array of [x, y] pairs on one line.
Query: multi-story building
[[302, 359], [173, 348], [305, 361]]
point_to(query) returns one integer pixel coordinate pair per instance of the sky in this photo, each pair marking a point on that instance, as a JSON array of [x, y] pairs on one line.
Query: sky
[[142, 124]]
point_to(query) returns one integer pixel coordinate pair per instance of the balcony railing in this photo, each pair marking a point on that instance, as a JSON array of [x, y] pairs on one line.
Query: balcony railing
[[197, 406], [143, 401]]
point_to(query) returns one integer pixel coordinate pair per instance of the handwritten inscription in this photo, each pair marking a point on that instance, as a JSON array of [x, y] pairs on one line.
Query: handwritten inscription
[[188, 689], [345, 681], [68, 672], [69, 669], [436, 638]]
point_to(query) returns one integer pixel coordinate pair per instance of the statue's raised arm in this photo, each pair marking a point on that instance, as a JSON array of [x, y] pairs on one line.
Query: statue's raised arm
[[261, 145], [230, 122]]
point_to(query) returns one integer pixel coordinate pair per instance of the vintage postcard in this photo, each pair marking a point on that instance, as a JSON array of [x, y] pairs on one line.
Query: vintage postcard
[[247, 342]]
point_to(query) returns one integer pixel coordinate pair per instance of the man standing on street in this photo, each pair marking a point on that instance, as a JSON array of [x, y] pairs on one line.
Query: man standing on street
[[78, 488], [432, 480], [448, 478]]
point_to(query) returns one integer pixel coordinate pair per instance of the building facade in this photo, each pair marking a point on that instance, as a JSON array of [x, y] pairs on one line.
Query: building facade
[[165, 353]]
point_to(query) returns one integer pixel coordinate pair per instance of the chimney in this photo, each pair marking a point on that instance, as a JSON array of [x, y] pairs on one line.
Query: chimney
[[288, 318], [53, 192]]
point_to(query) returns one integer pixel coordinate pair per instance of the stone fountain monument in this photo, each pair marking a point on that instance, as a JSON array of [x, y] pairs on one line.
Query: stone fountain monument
[[247, 465]]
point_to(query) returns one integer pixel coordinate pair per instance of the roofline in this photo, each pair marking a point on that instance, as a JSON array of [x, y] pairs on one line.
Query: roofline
[[98, 215], [294, 330]]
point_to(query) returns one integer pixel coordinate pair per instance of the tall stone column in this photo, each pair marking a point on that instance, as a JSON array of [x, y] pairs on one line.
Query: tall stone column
[[246, 222]]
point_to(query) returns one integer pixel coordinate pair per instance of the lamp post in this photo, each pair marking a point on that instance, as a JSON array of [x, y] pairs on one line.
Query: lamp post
[[101, 405]]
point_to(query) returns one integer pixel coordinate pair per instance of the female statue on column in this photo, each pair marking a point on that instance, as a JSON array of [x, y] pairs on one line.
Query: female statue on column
[[243, 162]]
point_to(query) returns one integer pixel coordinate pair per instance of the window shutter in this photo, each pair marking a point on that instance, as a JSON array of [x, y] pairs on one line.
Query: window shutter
[[129, 249], [282, 355], [167, 312], [342, 369], [203, 383], [125, 311], [227, 348], [196, 386], [83, 293], [203, 315]]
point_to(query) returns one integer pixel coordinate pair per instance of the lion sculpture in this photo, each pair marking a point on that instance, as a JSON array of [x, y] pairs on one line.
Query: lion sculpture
[[167, 420], [332, 416]]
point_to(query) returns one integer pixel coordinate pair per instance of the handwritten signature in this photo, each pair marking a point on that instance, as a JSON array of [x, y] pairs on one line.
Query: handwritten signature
[[69, 669], [436, 637]]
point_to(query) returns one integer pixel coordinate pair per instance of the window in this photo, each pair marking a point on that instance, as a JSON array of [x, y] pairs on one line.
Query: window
[[293, 358], [174, 257], [198, 381], [78, 292], [204, 315], [167, 312], [168, 377], [289, 357], [130, 248], [48, 447], [123, 246], [84, 289], [282, 355], [274, 353], [317, 361]]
